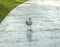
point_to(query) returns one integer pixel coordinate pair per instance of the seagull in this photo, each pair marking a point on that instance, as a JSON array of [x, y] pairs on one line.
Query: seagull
[[29, 23]]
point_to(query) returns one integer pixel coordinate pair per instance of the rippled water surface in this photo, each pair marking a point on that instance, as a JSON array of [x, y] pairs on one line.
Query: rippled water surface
[[45, 28]]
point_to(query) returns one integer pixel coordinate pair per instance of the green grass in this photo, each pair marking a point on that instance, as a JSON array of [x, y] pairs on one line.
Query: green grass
[[7, 5]]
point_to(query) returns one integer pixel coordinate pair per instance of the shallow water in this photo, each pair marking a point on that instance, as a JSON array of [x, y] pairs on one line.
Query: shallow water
[[45, 28]]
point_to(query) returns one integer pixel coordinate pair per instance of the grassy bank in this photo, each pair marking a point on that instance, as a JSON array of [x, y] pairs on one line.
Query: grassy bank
[[7, 5]]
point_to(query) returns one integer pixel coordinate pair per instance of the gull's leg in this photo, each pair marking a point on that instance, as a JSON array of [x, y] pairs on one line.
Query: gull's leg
[[27, 27], [30, 27]]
